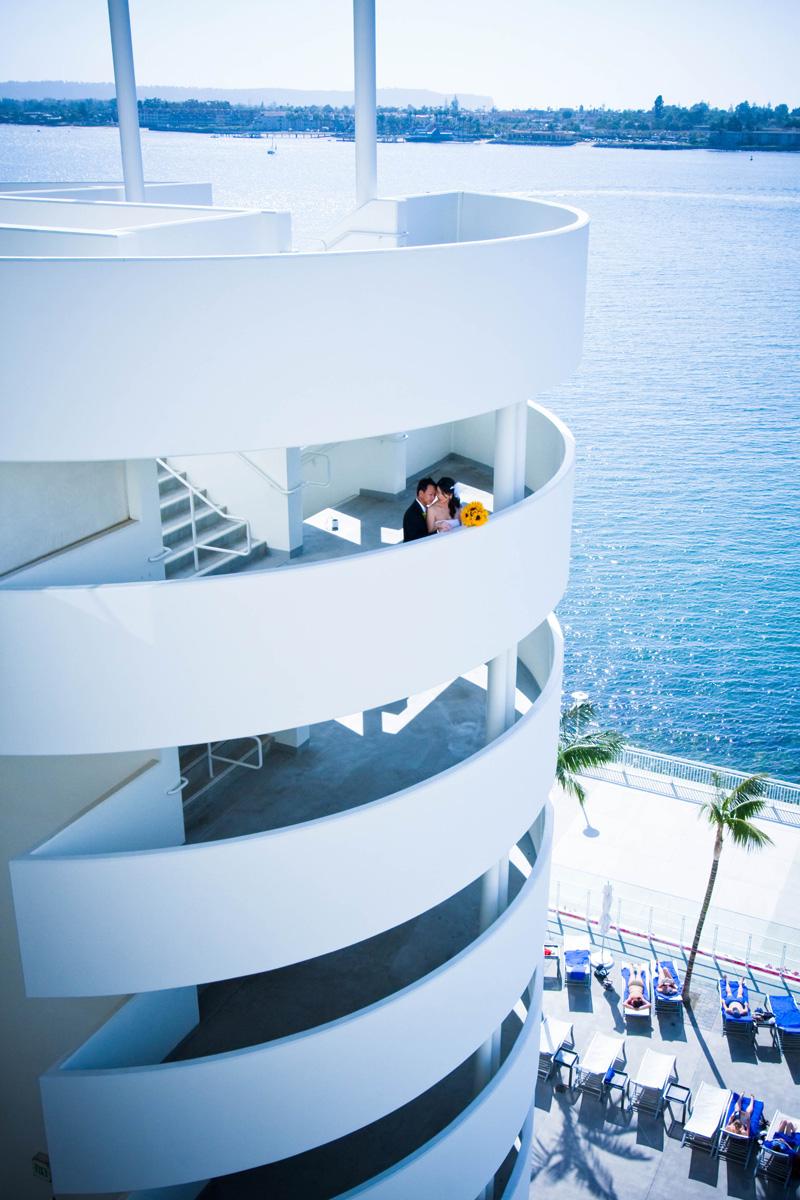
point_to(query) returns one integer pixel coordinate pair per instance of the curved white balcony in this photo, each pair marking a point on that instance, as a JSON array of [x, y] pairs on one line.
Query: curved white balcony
[[351, 340], [461, 1160], [122, 1128], [109, 924], [238, 652]]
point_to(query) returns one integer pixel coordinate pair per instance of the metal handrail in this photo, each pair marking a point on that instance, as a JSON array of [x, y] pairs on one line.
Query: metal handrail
[[304, 483], [235, 762], [685, 778], [196, 544]]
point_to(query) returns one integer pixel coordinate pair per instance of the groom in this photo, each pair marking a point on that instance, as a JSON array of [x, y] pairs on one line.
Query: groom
[[415, 524]]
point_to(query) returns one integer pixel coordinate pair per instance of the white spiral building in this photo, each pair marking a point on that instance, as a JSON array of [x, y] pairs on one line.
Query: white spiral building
[[163, 331]]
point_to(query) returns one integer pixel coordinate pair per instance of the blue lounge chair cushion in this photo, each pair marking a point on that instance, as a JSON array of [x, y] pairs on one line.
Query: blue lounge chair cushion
[[669, 997], [740, 994], [576, 963], [755, 1115], [786, 1012], [786, 1143]]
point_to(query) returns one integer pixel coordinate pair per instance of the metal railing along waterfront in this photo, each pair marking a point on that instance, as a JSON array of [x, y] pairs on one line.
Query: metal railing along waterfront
[[688, 780], [668, 923]]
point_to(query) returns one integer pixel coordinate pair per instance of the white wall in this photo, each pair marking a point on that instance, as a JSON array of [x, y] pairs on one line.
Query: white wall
[[47, 506], [233, 484], [149, 1127], [515, 301], [116, 555], [370, 464], [252, 675], [155, 193], [37, 797], [426, 446], [215, 910], [464, 1156]]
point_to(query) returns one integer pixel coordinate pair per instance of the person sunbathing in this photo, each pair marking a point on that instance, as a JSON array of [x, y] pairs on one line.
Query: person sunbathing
[[636, 999], [731, 1001], [740, 1119], [666, 982], [784, 1139]]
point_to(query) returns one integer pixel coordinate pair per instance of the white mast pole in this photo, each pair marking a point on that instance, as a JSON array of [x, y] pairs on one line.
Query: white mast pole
[[127, 109], [365, 101]]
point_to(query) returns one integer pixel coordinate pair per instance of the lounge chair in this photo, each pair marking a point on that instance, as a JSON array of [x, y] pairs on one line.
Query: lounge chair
[[737, 1147], [647, 1088], [597, 1066], [731, 1023], [577, 967], [708, 1108], [554, 1035], [638, 1014], [667, 1001], [787, 1022], [777, 1156]]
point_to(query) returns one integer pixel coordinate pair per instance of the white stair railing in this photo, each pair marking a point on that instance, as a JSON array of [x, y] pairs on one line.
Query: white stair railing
[[197, 544]]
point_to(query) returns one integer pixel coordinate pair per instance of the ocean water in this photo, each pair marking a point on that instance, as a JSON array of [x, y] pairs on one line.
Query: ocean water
[[683, 610]]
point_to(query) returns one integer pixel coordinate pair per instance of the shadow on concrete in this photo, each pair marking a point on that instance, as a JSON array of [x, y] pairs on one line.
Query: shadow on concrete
[[742, 1049], [703, 1044], [704, 1168], [543, 1097], [741, 1183], [576, 1154], [580, 999], [793, 1063], [671, 1027], [612, 1000], [650, 1132]]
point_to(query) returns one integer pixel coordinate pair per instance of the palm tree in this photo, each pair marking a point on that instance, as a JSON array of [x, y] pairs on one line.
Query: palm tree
[[730, 814], [581, 749]]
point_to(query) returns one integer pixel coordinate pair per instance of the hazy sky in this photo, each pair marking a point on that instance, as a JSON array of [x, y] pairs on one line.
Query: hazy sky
[[521, 52]]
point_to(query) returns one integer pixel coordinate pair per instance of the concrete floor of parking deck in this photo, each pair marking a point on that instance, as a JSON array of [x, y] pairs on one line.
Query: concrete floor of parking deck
[[345, 764], [585, 1148], [367, 522]]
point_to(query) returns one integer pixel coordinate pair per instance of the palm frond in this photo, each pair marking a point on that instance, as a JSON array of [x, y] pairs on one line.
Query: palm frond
[[746, 810], [748, 789], [748, 836]]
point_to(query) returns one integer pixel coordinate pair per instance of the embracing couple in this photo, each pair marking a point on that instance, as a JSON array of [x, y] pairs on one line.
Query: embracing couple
[[435, 509]]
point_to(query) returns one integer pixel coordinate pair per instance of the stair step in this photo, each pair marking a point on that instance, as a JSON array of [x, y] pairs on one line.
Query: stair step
[[218, 533], [176, 529], [233, 538], [177, 502], [214, 564], [168, 483]]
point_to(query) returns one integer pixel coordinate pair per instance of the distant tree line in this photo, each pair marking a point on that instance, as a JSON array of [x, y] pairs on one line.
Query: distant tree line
[[672, 124]]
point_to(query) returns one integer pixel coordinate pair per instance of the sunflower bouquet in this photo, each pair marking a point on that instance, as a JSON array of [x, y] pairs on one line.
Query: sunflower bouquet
[[474, 513]]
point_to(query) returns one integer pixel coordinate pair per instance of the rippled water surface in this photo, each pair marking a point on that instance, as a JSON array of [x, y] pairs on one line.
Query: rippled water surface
[[683, 610]]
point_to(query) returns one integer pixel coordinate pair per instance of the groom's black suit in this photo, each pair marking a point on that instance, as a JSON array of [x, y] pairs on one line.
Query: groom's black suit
[[414, 523]]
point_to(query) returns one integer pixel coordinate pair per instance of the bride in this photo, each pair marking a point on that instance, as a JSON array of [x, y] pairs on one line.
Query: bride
[[444, 514]]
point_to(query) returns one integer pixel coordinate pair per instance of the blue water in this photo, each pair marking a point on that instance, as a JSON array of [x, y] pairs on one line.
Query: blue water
[[683, 609]]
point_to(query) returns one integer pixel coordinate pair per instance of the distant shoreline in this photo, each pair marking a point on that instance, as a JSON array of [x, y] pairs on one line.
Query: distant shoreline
[[547, 144]]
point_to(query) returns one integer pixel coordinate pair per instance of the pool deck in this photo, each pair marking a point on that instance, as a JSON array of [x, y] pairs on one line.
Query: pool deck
[[608, 1151]]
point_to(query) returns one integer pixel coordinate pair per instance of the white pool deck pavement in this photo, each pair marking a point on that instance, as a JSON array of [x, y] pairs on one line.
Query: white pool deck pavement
[[661, 844]]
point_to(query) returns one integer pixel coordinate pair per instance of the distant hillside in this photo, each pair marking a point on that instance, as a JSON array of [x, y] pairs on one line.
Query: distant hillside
[[59, 89]]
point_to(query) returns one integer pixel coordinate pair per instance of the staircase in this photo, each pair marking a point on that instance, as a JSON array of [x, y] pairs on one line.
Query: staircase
[[202, 537]]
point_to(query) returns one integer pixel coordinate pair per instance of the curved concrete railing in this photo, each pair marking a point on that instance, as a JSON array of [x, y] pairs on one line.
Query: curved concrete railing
[[327, 366], [239, 651], [215, 910], [466, 1154], [139, 1127]]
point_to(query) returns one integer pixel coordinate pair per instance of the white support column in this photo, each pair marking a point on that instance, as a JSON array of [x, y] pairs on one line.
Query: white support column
[[127, 108], [365, 101], [500, 688]]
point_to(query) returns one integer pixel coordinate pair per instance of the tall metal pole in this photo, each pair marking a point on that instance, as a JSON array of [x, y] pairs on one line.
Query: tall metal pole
[[365, 101], [119, 19]]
